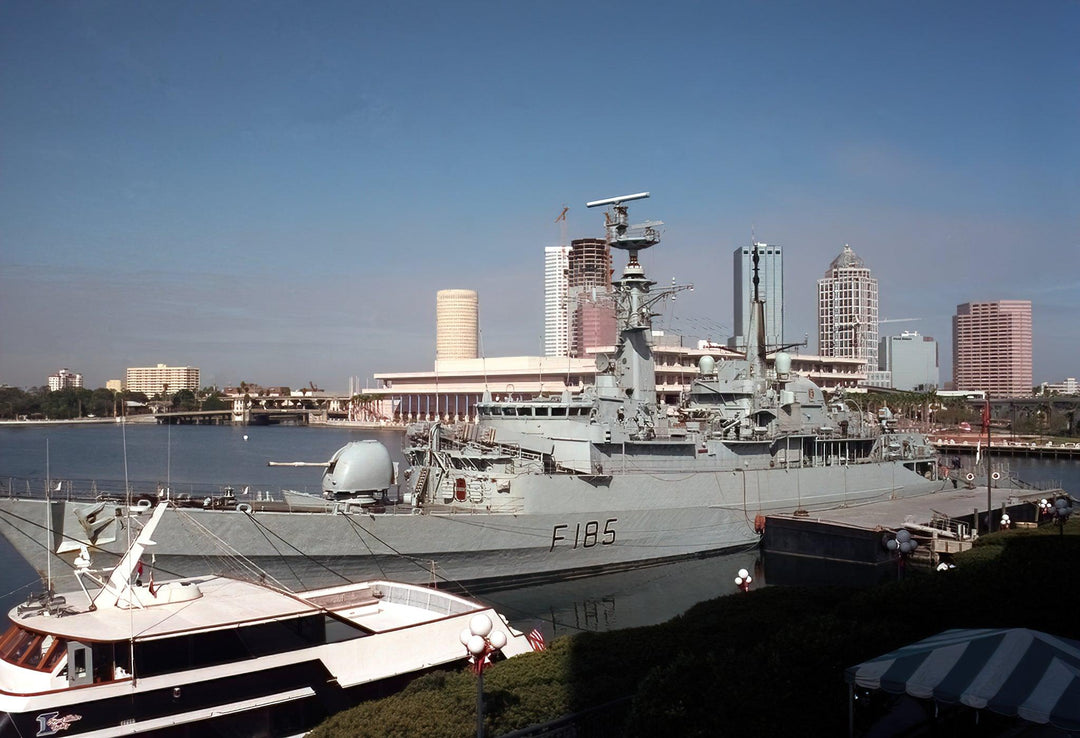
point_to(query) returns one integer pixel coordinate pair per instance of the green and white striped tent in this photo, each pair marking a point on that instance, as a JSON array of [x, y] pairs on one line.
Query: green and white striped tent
[[1011, 671]]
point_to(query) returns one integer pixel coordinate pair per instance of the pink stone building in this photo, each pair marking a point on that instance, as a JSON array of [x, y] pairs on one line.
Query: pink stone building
[[992, 347]]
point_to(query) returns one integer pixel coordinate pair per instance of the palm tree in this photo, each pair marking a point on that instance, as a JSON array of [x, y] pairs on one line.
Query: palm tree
[[930, 402]]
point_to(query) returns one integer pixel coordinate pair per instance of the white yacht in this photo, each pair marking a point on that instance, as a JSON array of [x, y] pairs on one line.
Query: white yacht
[[217, 656]]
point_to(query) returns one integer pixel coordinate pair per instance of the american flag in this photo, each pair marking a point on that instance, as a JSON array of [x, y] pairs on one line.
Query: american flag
[[536, 639]]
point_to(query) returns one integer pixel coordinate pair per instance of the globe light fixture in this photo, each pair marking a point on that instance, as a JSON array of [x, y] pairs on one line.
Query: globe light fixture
[[481, 640], [902, 545], [742, 581], [1061, 510]]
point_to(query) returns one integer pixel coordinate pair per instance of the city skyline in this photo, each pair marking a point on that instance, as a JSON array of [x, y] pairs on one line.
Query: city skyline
[[277, 191]]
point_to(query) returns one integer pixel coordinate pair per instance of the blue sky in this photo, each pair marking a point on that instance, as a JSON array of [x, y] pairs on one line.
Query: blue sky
[[275, 191]]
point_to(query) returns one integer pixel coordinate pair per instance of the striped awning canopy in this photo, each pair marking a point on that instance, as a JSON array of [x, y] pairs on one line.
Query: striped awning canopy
[[1011, 671]]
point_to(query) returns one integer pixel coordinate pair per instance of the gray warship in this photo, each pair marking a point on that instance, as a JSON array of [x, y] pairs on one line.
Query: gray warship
[[547, 488]]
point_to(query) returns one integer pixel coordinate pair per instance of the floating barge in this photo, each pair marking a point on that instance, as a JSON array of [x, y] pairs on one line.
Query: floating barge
[[847, 545]]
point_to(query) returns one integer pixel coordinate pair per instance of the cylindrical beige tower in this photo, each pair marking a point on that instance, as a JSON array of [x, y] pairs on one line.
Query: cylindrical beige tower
[[456, 323]]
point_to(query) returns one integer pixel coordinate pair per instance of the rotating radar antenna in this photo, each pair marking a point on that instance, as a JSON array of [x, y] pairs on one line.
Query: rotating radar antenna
[[622, 235], [633, 299]]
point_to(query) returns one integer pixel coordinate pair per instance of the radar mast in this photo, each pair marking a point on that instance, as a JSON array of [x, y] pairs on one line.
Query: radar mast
[[633, 364]]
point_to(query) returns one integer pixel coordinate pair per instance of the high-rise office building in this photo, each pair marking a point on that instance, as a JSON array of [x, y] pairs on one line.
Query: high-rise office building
[[457, 324], [911, 361], [556, 316], [64, 379], [848, 311], [770, 290], [992, 347], [163, 379]]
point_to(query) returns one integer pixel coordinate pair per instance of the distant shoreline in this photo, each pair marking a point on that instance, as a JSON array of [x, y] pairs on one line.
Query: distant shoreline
[[364, 425], [81, 421], [151, 418]]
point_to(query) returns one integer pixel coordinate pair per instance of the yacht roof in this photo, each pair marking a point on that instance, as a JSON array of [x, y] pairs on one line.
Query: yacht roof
[[229, 602]]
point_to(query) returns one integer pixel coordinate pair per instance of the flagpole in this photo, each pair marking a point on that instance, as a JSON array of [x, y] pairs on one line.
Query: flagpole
[[989, 475]]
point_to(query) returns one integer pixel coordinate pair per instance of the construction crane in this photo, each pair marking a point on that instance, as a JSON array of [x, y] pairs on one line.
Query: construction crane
[[857, 338], [897, 320], [562, 228]]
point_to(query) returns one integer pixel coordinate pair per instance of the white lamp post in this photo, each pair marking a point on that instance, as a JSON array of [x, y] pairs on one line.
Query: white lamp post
[[481, 640]]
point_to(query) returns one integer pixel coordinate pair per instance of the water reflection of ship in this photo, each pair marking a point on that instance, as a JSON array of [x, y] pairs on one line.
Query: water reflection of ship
[[594, 614], [627, 599]]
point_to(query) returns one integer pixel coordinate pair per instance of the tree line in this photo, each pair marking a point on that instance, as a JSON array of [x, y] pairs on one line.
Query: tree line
[[78, 402]]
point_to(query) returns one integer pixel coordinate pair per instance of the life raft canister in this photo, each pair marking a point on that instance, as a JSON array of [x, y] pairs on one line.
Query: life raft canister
[[459, 489]]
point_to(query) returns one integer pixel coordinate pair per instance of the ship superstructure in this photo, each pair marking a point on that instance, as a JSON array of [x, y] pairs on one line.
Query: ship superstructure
[[750, 415]]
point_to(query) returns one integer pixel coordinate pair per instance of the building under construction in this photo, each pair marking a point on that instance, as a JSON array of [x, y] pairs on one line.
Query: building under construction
[[590, 308]]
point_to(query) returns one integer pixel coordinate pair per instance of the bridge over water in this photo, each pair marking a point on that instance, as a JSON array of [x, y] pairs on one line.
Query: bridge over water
[[265, 411], [1056, 414]]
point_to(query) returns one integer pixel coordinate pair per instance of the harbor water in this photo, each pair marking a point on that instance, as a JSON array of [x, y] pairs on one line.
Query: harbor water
[[205, 459]]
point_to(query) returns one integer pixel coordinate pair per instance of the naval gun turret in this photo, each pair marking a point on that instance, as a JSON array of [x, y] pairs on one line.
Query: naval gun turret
[[359, 470]]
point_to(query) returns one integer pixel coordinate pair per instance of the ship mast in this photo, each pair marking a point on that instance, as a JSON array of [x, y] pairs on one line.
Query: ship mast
[[755, 347], [633, 366]]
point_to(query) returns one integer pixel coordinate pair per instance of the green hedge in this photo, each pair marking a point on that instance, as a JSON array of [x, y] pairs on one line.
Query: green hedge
[[769, 662]]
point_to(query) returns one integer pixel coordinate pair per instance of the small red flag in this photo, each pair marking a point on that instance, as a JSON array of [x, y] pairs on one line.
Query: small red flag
[[153, 590]]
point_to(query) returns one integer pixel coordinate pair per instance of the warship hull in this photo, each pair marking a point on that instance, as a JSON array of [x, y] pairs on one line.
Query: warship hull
[[554, 527]]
